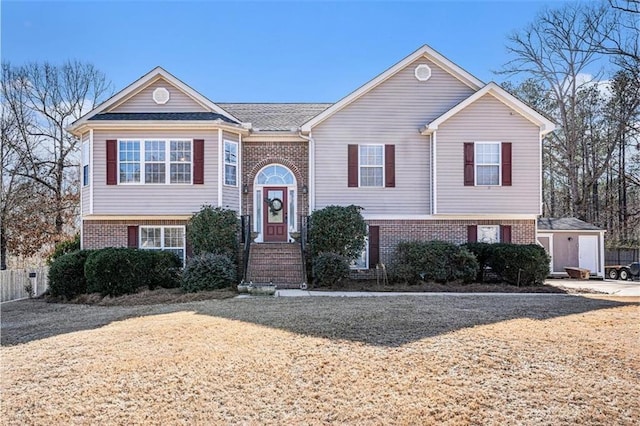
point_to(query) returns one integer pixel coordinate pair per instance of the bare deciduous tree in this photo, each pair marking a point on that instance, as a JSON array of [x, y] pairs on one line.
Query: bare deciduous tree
[[41, 100]]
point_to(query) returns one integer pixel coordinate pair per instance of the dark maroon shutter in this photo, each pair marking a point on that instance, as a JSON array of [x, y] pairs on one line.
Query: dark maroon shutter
[[506, 163], [468, 164], [505, 234], [132, 236], [198, 161], [352, 165], [374, 246], [390, 166], [112, 162], [472, 233]]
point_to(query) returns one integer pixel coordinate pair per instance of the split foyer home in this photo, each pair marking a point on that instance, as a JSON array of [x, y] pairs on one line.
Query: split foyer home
[[425, 148]]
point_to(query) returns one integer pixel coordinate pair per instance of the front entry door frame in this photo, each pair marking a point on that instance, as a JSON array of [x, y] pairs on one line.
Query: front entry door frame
[[279, 177], [274, 207]]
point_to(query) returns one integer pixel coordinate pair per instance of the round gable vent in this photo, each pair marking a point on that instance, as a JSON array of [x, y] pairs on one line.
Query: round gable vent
[[161, 96], [423, 72]]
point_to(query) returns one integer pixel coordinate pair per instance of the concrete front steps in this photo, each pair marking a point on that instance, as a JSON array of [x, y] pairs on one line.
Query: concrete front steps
[[277, 263]]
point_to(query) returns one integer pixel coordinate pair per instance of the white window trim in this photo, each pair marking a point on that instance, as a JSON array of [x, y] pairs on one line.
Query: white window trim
[[225, 163], [167, 160], [355, 267], [162, 246], [476, 163], [360, 166], [86, 160]]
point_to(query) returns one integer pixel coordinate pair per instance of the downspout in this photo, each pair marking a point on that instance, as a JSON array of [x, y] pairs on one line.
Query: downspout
[[312, 172], [220, 166], [434, 140]]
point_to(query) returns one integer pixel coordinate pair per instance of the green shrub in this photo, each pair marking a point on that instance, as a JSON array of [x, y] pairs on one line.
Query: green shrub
[[117, 271], [437, 261], [208, 271], [520, 264], [483, 253], [65, 247], [338, 229], [66, 274], [214, 230], [330, 269]]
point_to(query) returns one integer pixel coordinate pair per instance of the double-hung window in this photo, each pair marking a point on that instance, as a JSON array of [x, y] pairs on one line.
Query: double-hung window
[[371, 165], [487, 163], [155, 161], [168, 238], [230, 163]]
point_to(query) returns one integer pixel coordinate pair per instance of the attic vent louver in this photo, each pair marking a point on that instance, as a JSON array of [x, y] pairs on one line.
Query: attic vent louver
[[161, 96], [423, 72]]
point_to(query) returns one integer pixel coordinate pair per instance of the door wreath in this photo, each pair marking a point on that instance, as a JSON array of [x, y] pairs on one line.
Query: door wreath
[[275, 205]]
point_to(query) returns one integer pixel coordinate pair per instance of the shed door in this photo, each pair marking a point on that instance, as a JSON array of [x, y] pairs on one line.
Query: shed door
[[588, 252]]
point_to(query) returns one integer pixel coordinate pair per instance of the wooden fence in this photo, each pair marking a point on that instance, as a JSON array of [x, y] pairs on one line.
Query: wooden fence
[[18, 284]]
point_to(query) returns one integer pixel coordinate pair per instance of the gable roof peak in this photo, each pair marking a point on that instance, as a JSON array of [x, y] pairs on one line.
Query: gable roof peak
[[424, 51], [140, 84]]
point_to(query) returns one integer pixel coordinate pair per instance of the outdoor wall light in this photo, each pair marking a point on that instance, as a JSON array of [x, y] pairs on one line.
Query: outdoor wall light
[[305, 189], [245, 189]]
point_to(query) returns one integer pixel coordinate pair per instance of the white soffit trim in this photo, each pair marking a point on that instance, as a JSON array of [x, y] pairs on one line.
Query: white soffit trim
[[139, 85], [87, 218], [495, 216], [503, 96], [424, 51]]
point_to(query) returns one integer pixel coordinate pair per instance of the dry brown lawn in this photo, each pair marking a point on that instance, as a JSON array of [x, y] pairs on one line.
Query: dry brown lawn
[[544, 359]]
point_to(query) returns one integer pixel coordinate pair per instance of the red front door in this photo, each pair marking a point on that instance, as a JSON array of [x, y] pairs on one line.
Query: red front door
[[274, 206]]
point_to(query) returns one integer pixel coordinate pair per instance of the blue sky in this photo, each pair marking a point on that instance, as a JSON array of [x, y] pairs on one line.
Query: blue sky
[[261, 51]]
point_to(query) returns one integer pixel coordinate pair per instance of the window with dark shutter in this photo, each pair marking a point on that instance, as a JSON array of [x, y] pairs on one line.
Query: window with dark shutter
[[390, 166], [472, 233], [132, 236], [112, 162], [198, 161], [468, 164], [374, 246], [506, 163], [352, 166], [505, 234]]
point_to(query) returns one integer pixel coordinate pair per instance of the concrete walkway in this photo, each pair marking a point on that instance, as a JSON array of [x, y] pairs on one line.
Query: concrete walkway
[[617, 288]]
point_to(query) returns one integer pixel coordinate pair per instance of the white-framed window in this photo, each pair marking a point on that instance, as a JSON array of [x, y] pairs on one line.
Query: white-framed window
[[231, 163], [488, 234], [169, 238], [155, 161], [85, 163], [487, 163], [362, 261], [371, 165]]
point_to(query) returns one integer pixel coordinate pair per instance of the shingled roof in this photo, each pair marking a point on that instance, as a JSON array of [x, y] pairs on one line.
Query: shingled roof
[[565, 224], [274, 117], [160, 116]]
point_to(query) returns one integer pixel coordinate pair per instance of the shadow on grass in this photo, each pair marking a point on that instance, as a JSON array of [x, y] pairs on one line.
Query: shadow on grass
[[382, 321]]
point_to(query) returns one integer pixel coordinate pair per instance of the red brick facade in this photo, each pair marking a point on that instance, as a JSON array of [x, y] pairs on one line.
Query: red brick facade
[[97, 234], [455, 231], [293, 155]]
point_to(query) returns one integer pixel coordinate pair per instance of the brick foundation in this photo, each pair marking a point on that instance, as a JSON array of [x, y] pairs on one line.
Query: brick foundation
[[97, 234], [455, 231]]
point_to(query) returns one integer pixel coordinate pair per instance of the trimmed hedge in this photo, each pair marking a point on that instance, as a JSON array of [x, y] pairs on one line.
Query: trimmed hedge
[[64, 247], [438, 261], [117, 271], [330, 269], [214, 230], [66, 274], [520, 264], [338, 229], [483, 253], [523, 264], [208, 271]]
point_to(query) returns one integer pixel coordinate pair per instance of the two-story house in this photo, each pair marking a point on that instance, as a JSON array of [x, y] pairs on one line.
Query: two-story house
[[428, 150]]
